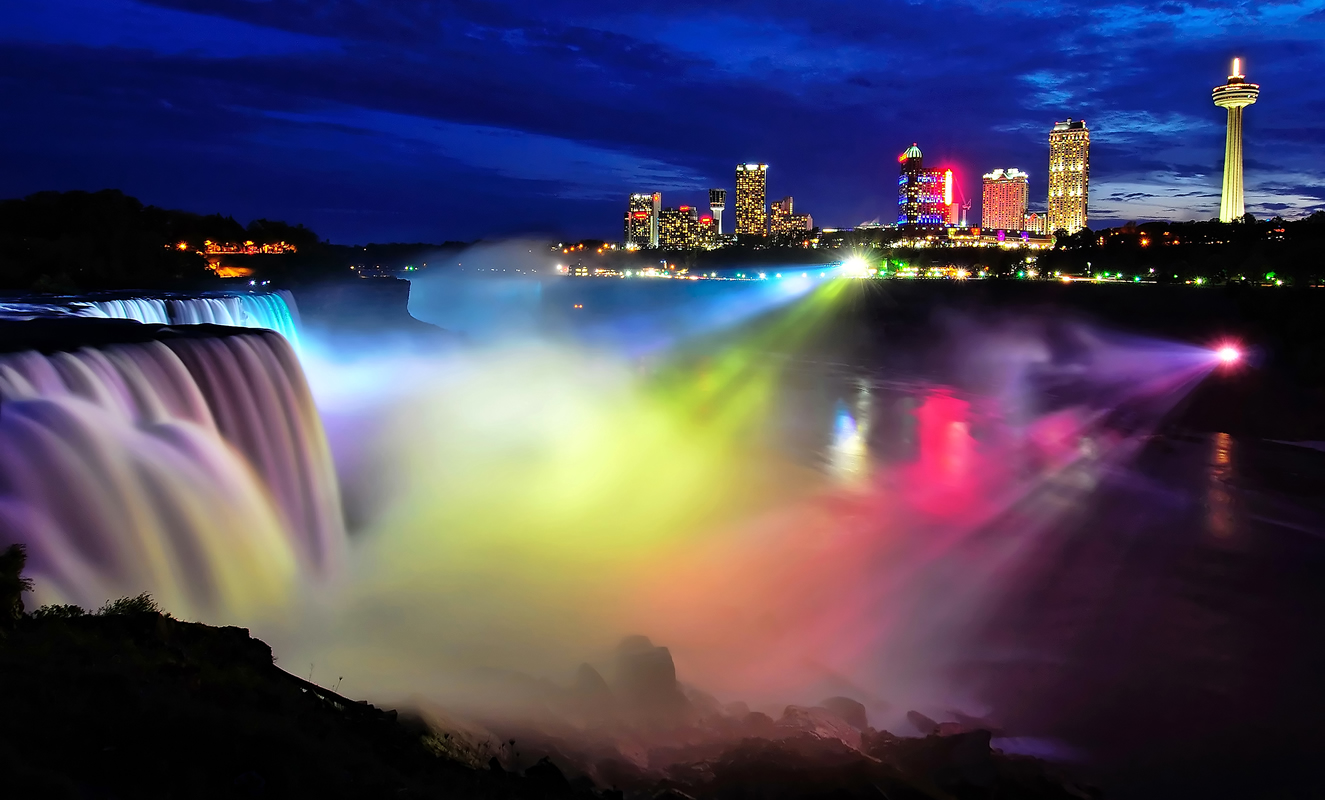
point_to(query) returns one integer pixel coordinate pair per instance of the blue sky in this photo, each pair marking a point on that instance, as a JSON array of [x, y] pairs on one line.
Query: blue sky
[[380, 120]]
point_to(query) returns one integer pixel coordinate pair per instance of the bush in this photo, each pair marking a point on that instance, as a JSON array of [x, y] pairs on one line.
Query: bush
[[12, 584], [130, 606], [58, 612]]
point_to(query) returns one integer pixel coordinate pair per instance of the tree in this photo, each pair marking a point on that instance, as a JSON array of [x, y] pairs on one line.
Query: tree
[[12, 585]]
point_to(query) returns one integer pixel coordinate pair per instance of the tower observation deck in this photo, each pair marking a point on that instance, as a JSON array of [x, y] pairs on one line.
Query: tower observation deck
[[1235, 95]]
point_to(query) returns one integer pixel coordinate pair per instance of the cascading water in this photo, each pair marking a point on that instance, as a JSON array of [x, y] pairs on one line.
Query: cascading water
[[143, 309], [275, 311], [193, 466], [271, 311]]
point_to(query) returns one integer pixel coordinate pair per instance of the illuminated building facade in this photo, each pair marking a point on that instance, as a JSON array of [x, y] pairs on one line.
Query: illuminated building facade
[[783, 220], [1069, 176], [642, 221], [751, 194], [717, 203], [1235, 95], [246, 248], [1004, 199], [924, 196], [684, 228], [1036, 223]]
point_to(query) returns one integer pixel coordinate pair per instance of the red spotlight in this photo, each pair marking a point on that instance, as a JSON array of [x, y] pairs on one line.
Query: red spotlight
[[1228, 354]]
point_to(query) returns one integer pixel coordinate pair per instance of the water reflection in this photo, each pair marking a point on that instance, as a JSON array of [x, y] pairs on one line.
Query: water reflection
[[849, 452], [925, 428], [1218, 498]]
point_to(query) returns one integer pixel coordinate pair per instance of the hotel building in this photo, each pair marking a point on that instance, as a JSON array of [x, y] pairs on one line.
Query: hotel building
[[1069, 176]]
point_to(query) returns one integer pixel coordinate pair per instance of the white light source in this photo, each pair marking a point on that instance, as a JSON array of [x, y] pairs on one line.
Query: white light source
[[854, 266]]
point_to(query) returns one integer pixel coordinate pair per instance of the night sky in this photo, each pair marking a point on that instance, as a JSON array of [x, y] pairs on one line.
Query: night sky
[[382, 120]]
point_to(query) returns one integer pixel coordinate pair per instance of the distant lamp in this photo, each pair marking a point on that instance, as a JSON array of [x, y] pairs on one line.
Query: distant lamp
[[854, 266]]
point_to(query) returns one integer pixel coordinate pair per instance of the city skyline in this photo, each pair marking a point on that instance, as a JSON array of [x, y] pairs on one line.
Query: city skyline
[[376, 121]]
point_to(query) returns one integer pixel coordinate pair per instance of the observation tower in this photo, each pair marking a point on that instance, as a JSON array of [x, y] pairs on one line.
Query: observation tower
[[1235, 95]]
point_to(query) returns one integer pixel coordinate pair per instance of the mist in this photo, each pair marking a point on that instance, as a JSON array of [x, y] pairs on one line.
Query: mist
[[669, 459]]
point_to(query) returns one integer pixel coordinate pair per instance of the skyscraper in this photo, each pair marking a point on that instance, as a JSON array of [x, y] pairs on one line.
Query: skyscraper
[[1069, 176], [751, 189], [1235, 95], [684, 228], [782, 218], [717, 202], [642, 221], [657, 216], [1004, 200], [924, 196]]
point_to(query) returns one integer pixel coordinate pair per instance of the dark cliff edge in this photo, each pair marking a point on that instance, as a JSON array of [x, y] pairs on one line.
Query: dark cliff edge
[[353, 307], [130, 702]]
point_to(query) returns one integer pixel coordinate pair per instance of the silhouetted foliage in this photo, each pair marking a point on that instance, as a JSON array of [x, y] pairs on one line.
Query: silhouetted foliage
[[67, 241], [12, 585], [1246, 252], [59, 611], [130, 606], [79, 241]]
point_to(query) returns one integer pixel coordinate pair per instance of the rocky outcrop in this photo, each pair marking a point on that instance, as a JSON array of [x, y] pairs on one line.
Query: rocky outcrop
[[850, 711], [818, 722], [646, 683]]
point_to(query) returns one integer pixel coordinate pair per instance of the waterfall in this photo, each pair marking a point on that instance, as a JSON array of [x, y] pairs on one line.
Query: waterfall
[[143, 309], [194, 467], [271, 310]]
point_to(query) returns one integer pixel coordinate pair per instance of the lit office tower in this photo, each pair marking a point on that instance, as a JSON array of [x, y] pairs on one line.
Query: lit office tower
[[657, 216], [1004, 200], [684, 228], [1069, 176], [783, 220], [751, 188], [641, 221], [717, 202], [924, 196], [1235, 95]]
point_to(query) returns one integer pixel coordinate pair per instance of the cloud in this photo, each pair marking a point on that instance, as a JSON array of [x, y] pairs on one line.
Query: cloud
[[382, 98]]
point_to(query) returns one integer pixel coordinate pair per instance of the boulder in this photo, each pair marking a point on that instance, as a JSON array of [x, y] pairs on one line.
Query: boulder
[[646, 681], [592, 696], [970, 723], [850, 711], [819, 722], [922, 723]]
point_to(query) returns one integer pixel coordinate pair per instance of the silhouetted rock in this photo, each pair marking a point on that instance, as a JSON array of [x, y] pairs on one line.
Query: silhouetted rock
[[819, 722], [546, 778], [737, 709], [969, 723], [646, 681], [851, 711], [129, 702], [672, 794], [132, 703], [964, 759], [922, 723], [758, 725], [704, 705], [593, 697]]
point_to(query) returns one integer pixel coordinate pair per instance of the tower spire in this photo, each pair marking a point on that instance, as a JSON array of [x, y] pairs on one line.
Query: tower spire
[[1235, 95]]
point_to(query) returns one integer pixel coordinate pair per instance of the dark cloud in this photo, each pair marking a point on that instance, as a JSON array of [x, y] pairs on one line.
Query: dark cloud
[[428, 119]]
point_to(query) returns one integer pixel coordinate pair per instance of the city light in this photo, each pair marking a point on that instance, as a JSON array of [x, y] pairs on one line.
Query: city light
[[854, 266]]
